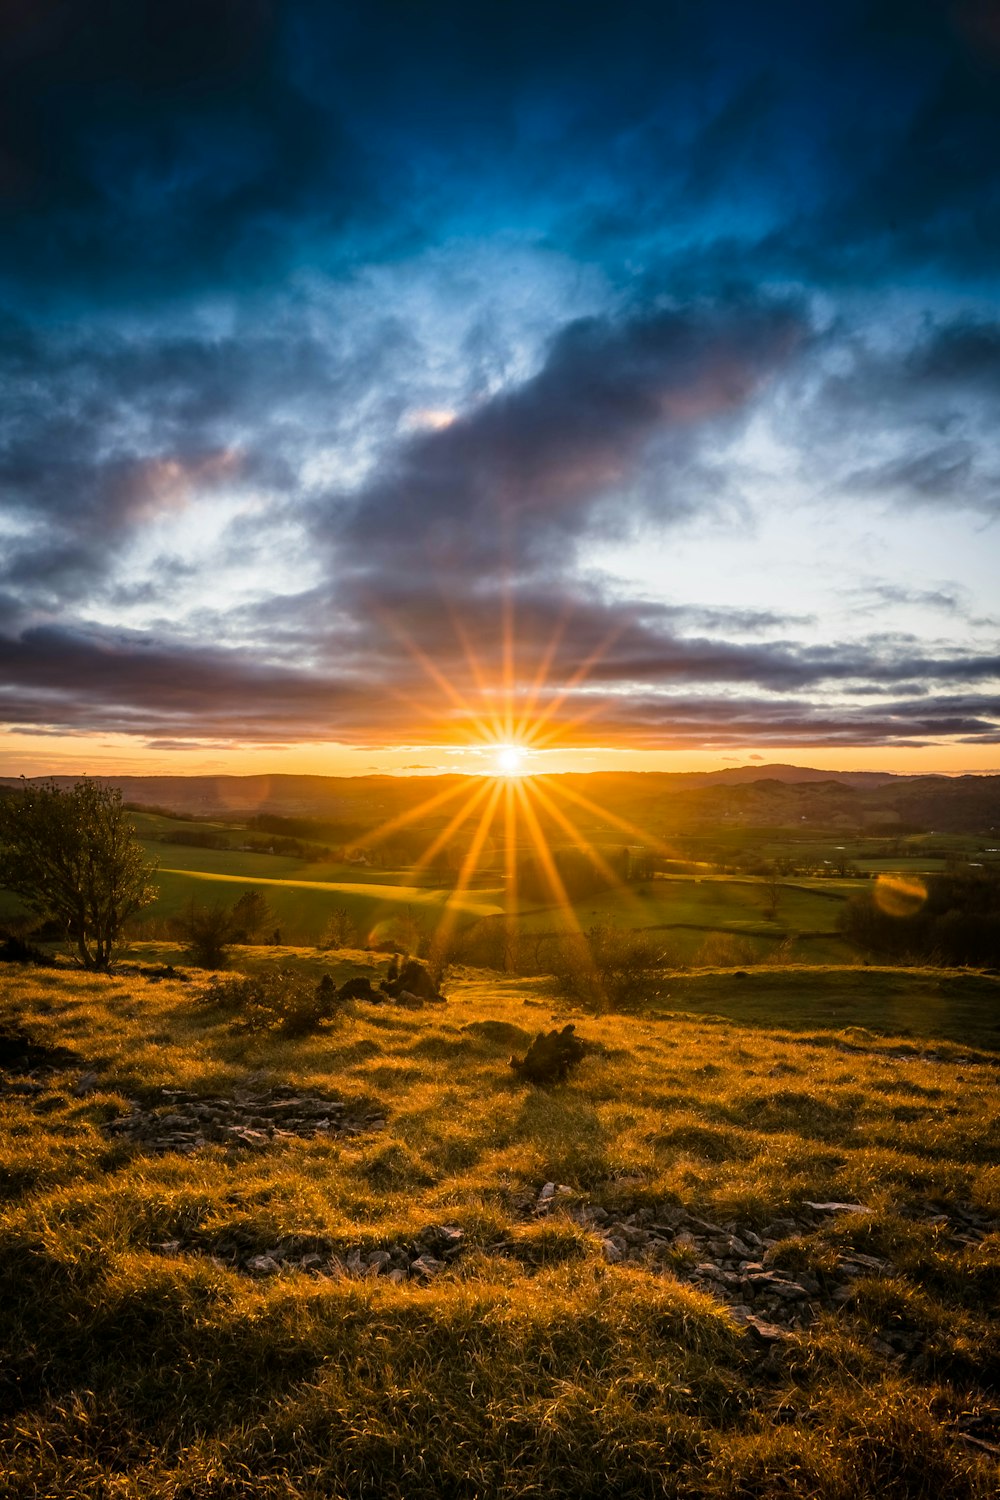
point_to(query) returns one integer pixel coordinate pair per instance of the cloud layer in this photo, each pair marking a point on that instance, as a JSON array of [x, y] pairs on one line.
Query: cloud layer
[[359, 365]]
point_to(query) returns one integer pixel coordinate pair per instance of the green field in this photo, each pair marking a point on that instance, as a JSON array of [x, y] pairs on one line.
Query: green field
[[687, 910], [222, 1322]]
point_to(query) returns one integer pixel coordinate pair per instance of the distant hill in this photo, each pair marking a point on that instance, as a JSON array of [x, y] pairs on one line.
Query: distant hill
[[778, 772], [661, 802]]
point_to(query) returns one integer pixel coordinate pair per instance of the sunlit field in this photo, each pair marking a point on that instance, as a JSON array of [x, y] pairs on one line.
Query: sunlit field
[[699, 914], [495, 1288]]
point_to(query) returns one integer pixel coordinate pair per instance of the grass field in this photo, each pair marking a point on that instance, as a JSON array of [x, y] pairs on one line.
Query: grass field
[[690, 909], [221, 1322]]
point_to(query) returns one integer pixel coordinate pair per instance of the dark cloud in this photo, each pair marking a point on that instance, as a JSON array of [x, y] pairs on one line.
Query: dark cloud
[[239, 261], [517, 480], [177, 693]]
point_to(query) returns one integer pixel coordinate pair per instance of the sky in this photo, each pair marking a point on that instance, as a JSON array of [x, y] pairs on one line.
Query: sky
[[381, 383]]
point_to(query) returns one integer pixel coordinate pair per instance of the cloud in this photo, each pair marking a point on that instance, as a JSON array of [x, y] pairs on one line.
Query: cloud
[[173, 692], [337, 336], [518, 480]]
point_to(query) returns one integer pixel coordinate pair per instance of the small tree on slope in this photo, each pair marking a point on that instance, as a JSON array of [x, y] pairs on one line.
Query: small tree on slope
[[73, 856]]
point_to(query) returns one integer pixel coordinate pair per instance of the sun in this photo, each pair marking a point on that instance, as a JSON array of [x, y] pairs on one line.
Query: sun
[[510, 760]]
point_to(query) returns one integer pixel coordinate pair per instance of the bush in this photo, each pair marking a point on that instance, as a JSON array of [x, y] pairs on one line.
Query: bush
[[275, 1000], [208, 932], [611, 966], [341, 930], [490, 943]]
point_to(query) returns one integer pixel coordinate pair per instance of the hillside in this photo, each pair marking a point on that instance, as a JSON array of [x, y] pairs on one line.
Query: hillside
[[751, 1241], [657, 802]]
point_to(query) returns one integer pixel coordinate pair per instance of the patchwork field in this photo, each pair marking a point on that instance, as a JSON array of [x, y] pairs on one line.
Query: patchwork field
[[750, 1247]]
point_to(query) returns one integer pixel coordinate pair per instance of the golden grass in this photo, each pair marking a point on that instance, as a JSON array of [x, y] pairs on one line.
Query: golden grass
[[134, 1371]]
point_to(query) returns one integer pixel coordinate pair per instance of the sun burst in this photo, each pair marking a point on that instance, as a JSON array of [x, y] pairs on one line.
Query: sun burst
[[513, 814], [510, 760]]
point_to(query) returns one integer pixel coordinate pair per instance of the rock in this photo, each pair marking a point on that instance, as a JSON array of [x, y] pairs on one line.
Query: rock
[[358, 988], [86, 1085], [838, 1208], [442, 1239], [408, 1000], [782, 1229], [764, 1332], [612, 1254], [550, 1056], [412, 985], [426, 1266], [548, 1191], [262, 1265]]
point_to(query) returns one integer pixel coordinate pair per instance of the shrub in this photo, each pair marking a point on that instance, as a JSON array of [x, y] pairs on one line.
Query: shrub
[[208, 932], [275, 1000], [610, 966], [341, 930]]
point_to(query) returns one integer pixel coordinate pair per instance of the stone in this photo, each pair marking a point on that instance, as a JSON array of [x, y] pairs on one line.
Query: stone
[[765, 1332], [86, 1085], [426, 1266], [262, 1265], [838, 1208], [550, 1056]]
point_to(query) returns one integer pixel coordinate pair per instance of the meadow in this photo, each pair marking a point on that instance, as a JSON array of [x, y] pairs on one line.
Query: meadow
[[689, 912], [750, 1247]]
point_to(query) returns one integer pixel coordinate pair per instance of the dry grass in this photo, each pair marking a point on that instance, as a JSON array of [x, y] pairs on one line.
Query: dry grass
[[133, 1371]]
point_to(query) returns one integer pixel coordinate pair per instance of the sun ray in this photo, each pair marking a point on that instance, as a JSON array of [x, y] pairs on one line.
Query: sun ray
[[555, 882], [641, 835], [463, 815], [526, 725], [393, 825], [510, 850], [443, 931], [590, 850], [580, 675], [544, 853], [478, 676]]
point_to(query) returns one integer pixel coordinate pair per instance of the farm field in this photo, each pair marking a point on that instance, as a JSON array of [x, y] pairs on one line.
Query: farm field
[[748, 1247], [688, 909]]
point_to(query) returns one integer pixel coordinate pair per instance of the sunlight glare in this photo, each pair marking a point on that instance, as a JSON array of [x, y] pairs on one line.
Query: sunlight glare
[[510, 760]]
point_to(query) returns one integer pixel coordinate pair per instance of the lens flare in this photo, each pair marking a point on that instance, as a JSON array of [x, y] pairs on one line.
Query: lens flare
[[900, 895]]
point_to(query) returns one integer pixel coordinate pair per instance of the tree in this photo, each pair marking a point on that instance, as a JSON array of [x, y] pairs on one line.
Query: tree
[[73, 856], [250, 915], [341, 929]]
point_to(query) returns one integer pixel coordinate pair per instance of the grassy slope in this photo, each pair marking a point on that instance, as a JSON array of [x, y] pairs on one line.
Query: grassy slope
[[303, 895], [135, 1372]]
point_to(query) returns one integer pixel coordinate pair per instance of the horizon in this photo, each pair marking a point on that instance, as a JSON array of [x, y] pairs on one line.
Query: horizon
[[420, 393], [498, 774]]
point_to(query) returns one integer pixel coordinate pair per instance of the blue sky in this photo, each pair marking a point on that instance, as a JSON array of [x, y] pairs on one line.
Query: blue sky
[[341, 345]]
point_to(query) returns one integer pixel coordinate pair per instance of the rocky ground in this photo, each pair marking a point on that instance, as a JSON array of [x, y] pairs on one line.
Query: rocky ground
[[745, 1266], [247, 1119]]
